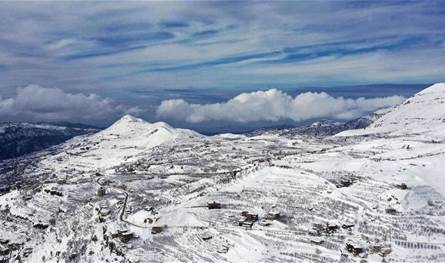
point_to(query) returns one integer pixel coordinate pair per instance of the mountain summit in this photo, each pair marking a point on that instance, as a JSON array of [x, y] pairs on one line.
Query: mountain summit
[[129, 125], [123, 140], [128, 118]]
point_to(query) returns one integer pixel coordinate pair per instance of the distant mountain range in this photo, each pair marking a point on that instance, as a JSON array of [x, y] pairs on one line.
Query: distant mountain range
[[17, 139], [21, 138], [319, 128]]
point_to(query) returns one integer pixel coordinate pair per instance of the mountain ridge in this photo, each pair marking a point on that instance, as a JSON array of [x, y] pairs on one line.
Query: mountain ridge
[[17, 139]]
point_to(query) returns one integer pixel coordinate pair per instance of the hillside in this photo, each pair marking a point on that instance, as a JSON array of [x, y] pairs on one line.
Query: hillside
[[17, 139], [421, 114]]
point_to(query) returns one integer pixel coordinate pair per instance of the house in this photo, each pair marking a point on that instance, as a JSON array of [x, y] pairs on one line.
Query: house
[[402, 186], [347, 226], [41, 225], [156, 229], [331, 227], [380, 249], [273, 215], [123, 235], [345, 182], [214, 205], [317, 241], [354, 248], [250, 216], [206, 236], [391, 211], [247, 219], [53, 192], [245, 222], [101, 191], [126, 236], [327, 228]]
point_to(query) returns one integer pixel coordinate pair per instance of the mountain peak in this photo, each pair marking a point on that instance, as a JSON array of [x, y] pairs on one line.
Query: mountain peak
[[127, 122], [130, 118]]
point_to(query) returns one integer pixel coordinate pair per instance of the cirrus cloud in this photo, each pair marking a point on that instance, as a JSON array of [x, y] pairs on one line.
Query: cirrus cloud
[[36, 103], [274, 105]]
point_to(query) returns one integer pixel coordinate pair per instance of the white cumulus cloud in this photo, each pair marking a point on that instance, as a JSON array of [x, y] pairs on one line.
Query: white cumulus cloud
[[274, 105], [36, 103]]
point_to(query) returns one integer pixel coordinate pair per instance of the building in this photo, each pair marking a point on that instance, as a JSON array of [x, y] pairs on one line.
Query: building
[[206, 236], [391, 211], [101, 191], [273, 215], [250, 216], [213, 205], [354, 247], [123, 235], [156, 229]]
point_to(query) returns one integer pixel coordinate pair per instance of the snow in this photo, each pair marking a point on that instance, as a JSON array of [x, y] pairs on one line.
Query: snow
[[246, 249], [151, 170], [418, 122], [179, 217], [139, 217], [424, 113], [119, 143]]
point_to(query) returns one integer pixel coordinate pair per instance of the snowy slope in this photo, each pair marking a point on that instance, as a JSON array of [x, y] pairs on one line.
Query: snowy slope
[[422, 114], [410, 132]]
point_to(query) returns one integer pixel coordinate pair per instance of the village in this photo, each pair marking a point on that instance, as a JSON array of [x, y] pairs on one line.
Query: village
[[209, 193]]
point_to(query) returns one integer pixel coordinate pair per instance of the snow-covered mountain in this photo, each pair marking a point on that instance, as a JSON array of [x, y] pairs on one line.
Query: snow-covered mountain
[[422, 114], [21, 138], [411, 131], [121, 142], [142, 192]]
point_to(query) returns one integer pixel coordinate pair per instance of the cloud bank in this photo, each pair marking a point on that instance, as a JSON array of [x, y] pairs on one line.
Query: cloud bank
[[36, 103], [119, 46], [273, 105]]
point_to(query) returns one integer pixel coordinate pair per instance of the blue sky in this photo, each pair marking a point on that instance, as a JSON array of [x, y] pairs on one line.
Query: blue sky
[[120, 50]]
